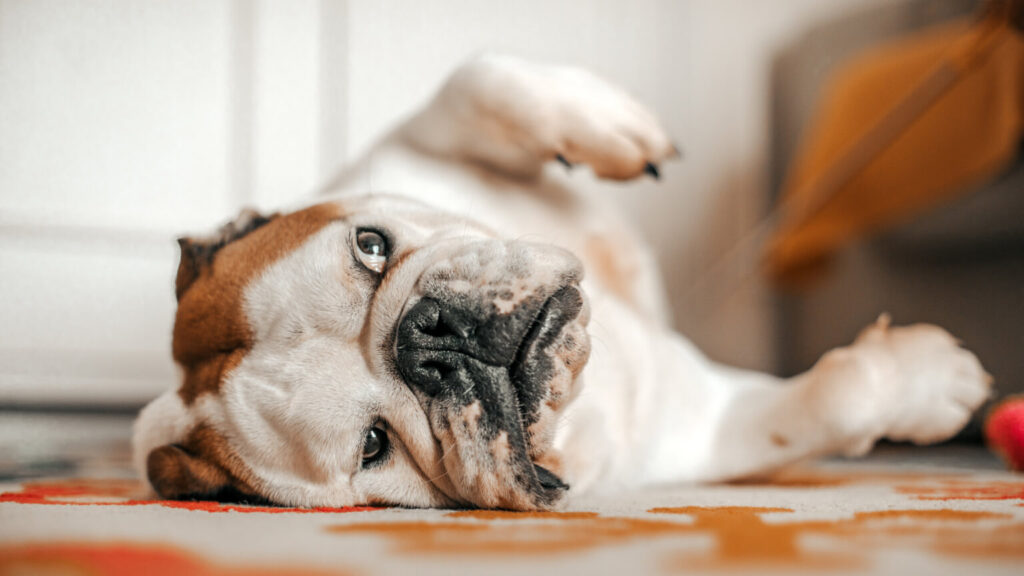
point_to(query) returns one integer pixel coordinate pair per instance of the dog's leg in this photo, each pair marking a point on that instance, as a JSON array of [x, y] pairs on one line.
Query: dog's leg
[[513, 116], [911, 383]]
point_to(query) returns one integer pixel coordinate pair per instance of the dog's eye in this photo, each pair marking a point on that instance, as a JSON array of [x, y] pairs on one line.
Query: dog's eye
[[375, 445], [373, 250]]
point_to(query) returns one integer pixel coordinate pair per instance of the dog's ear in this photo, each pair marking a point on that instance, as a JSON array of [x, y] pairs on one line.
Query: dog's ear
[[197, 253], [178, 475]]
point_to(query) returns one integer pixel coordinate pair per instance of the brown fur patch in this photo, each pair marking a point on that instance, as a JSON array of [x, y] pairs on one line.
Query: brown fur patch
[[174, 473], [211, 333], [198, 253], [206, 375], [203, 466]]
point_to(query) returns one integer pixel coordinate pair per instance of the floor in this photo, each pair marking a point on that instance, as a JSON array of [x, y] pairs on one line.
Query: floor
[[69, 504]]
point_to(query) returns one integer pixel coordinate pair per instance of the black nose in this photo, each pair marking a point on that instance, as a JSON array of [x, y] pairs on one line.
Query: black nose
[[451, 345], [432, 343]]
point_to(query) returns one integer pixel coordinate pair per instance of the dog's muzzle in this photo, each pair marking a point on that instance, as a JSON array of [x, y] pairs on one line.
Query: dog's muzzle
[[458, 349]]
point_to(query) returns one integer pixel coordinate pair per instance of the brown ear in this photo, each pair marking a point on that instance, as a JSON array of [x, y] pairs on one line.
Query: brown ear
[[197, 253], [177, 475]]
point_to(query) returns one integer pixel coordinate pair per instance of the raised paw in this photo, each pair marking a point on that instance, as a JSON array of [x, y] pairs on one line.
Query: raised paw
[[929, 383], [596, 123], [516, 115]]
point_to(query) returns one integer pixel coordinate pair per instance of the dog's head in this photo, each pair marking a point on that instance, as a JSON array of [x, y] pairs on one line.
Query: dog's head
[[371, 351]]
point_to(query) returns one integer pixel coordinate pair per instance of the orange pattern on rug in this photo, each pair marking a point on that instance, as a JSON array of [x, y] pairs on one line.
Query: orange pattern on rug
[[826, 518], [965, 490], [741, 536], [744, 539]]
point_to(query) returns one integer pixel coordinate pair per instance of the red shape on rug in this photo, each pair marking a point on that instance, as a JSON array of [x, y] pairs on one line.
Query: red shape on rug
[[126, 559], [1004, 431], [113, 492]]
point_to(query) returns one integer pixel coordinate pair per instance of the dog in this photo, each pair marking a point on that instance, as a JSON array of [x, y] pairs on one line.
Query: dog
[[453, 325]]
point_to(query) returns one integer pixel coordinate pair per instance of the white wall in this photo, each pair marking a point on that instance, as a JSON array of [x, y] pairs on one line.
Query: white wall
[[124, 123], [721, 302]]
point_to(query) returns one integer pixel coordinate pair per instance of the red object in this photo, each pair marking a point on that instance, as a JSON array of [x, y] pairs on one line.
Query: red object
[[1004, 431]]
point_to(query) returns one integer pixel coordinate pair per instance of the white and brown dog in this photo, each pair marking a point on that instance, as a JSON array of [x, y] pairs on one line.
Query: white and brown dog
[[440, 345]]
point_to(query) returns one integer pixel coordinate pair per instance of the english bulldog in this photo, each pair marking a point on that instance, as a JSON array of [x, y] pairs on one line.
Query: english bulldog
[[454, 325]]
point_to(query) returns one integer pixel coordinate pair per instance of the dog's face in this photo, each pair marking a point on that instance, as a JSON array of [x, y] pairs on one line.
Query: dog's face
[[368, 352]]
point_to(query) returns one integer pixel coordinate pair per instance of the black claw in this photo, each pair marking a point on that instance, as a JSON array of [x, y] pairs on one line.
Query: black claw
[[548, 479], [652, 170], [563, 161]]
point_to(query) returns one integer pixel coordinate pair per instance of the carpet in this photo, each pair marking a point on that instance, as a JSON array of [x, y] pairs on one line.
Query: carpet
[[903, 511]]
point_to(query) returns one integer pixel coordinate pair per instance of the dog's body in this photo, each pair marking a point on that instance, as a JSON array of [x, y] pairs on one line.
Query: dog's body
[[446, 337]]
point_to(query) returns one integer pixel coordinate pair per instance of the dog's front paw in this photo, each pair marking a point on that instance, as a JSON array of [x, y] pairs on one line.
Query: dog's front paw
[[597, 123], [519, 115], [930, 384]]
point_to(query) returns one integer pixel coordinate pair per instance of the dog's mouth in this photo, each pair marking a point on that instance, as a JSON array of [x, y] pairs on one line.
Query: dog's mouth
[[531, 369], [531, 374], [485, 378]]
